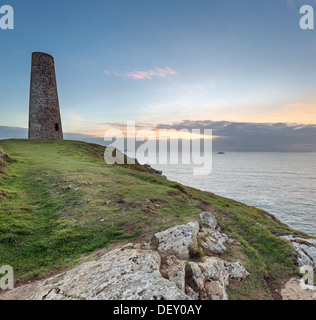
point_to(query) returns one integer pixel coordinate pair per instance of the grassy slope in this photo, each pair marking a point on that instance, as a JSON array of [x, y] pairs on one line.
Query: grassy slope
[[60, 201]]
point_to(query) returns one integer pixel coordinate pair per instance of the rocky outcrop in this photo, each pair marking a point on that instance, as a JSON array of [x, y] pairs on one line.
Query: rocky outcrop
[[121, 274], [154, 171], [136, 272], [306, 249]]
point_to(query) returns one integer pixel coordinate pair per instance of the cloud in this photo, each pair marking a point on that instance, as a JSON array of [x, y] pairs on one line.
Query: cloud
[[295, 105], [142, 75], [243, 136], [158, 72]]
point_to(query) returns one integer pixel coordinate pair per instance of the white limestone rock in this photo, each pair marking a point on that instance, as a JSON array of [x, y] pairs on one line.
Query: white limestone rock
[[178, 240]]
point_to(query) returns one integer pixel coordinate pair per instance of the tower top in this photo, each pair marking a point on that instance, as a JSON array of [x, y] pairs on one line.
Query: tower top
[[38, 57]]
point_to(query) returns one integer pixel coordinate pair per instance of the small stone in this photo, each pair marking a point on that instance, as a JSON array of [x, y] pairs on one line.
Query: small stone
[[208, 219]]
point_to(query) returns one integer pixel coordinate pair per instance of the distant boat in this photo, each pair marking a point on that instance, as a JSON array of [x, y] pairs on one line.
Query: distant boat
[[221, 152]]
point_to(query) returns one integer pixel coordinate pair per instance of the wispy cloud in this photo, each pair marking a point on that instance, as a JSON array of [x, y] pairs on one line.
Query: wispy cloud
[[157, 72], [143, 74], [295, 105]]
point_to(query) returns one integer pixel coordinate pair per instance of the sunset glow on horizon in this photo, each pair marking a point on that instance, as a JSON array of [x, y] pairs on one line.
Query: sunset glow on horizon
[[162, 63]]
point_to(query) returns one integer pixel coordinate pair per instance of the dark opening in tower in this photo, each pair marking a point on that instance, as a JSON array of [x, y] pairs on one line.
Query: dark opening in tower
[[56, 126]]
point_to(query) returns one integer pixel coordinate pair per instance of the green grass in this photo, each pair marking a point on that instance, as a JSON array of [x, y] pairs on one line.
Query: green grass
[[60, 201]]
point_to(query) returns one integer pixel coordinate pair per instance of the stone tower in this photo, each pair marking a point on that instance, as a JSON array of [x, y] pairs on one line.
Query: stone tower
[[44, 115]]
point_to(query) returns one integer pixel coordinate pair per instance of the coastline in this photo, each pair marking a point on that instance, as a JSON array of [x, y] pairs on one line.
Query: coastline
[[87, 197]]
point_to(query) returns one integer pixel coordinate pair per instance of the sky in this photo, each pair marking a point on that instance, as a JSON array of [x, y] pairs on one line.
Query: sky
[[164, 63]]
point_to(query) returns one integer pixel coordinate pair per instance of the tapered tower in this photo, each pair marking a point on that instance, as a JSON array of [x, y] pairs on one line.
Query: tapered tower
[[44, 114]]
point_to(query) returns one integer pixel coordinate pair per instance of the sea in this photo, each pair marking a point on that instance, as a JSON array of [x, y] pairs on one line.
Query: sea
[[281, 183]]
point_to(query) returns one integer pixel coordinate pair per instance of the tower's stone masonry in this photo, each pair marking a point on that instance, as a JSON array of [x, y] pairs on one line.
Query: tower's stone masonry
[[44, 114]]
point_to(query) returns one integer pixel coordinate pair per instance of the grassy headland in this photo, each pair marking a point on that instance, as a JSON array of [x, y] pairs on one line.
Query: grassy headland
[[59, 201]]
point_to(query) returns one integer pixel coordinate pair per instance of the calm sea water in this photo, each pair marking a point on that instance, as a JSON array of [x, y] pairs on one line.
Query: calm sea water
[[283, 184]]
